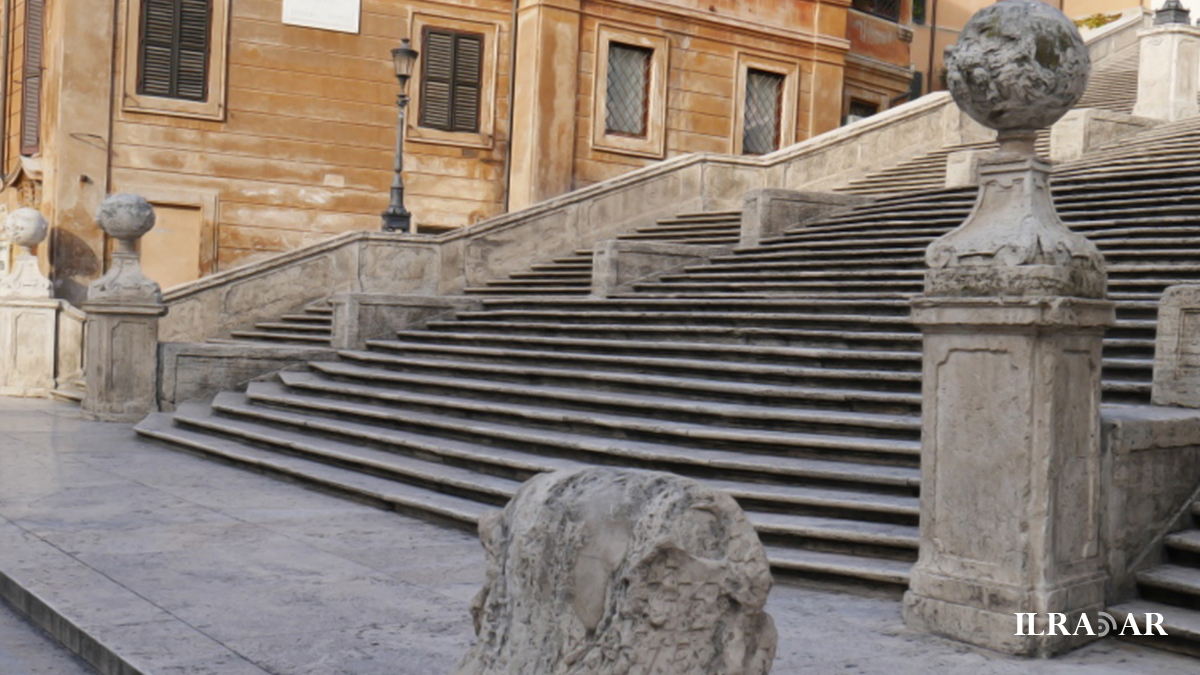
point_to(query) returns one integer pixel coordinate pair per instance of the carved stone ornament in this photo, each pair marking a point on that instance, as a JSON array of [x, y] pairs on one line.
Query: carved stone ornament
[[1019, 65], [26, 228], [125, 217], [610, 572]]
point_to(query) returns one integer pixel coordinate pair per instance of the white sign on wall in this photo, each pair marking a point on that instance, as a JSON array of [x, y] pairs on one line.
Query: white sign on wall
[[339, 15]]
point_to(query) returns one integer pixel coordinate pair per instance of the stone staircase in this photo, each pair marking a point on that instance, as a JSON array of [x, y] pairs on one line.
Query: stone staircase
[[572, 275], [787, 374], [313, 325], [1172, 590]]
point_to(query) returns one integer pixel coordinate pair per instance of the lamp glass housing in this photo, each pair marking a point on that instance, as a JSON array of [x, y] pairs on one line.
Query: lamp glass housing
[[404, 59]]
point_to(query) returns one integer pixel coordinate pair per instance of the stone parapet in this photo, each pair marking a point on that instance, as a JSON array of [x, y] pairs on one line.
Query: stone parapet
[[1177, 348], [618, 265], [1084, 129], [769, 212], [28, 341], [359, 317]]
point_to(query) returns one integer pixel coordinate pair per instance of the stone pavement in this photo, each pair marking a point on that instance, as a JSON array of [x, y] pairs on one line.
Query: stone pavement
[[26, 650], [173, 564]]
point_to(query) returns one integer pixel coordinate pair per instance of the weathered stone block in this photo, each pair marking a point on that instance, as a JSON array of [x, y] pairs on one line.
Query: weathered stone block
[[610, 572], [962, 168], [617, 265], [768, 212], [27, 346], [358, 317], [1084, 129], [121, 361], [1177, 348], [1169, 72]]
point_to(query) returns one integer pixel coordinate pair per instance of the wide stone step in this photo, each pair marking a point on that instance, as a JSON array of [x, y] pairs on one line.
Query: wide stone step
[[605, 424], [293, 327], [1171, 584], [322, 319], [642, 318], [655, 406], [372, 422], [1181, 625], [691, 387], [638, 302], [839, 568], [280, 336], [406, 499], [517, 289]]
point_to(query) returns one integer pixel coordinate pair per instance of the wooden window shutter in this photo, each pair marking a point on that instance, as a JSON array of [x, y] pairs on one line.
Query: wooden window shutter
[[451, 81], [173, 54], [31, 87]]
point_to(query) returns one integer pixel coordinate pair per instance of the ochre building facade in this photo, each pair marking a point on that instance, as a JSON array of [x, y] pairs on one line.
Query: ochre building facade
[[253, 135]]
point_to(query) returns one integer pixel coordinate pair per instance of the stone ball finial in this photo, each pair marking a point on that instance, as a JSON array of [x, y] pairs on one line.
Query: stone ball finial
[[27, 227], [1019, 65], [125, 216]]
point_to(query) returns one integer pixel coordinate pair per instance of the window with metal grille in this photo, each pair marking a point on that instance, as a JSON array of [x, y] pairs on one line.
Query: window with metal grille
[[31, 81], [887, 9], [627, 93], [918, 12], [451, 80], [764, 101], [173, 54], [860, 109]]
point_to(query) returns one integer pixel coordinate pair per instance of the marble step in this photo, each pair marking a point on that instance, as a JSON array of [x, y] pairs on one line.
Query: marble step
[[273, 336], [1171, 584], [606, 424], [1181, 625], [839, 568], [699, 388], [657, 406], [365, 422], [285, 326]]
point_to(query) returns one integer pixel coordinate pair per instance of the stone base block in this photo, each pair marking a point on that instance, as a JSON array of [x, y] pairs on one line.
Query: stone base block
[[28, 332], [1177, 348], [962, 168], [769, 212], [358, 317], [1084, 129], [998, 629], [1169, 72], [121, 361], [617, 265], [193, 371]]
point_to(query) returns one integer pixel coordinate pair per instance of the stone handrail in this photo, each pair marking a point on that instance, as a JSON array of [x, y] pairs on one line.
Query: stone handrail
[[447, 263], [1111, 38]]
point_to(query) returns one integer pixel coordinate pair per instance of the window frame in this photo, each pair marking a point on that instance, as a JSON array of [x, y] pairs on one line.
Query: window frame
[[653, 143], [875, 11], [789, 106], [218, 54], [484, 138]]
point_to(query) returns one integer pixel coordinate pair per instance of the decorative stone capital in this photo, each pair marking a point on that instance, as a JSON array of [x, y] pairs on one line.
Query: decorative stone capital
[[1013, 242], [126, 218], [26, 228]]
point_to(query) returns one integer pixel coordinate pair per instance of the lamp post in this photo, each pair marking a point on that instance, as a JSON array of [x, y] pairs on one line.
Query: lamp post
[[397, 218]]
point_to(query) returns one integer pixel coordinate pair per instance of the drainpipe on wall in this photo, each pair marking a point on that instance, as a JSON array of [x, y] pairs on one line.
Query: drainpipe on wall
[[4, 62], [932, 46]]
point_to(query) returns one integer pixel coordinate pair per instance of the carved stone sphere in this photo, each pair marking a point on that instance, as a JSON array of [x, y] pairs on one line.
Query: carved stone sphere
[[1018, 65], [125, 216], [27, 227]]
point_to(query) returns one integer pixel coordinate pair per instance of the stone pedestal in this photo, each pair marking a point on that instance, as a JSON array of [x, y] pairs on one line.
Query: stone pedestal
[[962, 168], [1169, 73], [123, 308], [1177, 348], [28, 330], [121, 361], [1010, 477]]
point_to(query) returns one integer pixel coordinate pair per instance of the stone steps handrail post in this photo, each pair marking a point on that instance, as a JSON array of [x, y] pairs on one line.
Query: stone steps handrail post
[[123, 308], [1013, 317]]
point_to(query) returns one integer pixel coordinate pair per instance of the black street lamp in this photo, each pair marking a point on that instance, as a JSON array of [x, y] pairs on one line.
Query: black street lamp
[[1172, 11], [397, 218]]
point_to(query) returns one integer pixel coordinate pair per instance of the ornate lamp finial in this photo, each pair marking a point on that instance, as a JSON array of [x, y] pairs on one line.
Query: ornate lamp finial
[[1018, 66], [1172, 12]]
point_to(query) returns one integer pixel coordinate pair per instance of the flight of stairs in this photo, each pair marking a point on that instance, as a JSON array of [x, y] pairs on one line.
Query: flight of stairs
[[788, 374], [1173, 591], [312, 325]]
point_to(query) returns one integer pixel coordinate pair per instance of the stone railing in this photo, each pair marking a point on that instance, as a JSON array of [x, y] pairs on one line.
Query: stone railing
[[446, 264], [1111, 38]]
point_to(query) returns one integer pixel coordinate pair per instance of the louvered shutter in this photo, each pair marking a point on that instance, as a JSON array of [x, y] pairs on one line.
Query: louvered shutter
[[174, 48], [437, 80], [468, 66], [451, 81], [31, 88]]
